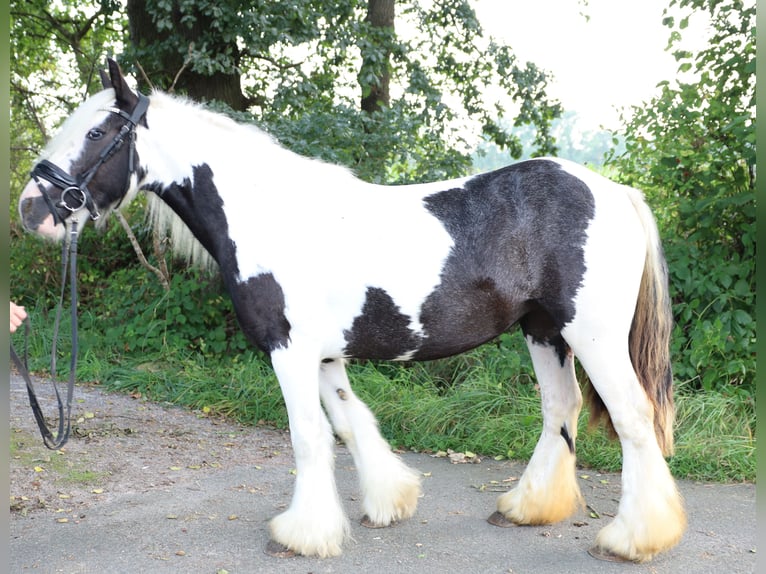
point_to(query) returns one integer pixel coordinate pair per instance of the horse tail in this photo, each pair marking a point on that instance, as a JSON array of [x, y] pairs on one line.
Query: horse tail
[[649, 337]]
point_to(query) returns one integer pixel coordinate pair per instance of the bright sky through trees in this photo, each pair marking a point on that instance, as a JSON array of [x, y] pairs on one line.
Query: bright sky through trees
[[604, 54]]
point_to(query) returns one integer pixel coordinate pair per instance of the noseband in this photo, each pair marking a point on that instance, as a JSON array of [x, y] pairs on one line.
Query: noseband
[[75, 194]]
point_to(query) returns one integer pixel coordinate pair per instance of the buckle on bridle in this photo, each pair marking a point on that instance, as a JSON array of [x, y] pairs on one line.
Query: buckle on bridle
[[78, 201], [82, 196], [74, 196]]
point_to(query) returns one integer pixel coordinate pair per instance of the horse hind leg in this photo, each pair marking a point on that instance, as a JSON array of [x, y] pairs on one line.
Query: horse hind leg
[[548, 491], [623, 302], [390, 489], [650, 517]]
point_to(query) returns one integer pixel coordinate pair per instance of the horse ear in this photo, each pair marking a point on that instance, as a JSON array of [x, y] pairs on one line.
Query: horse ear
[[105, 81], [125, 96]]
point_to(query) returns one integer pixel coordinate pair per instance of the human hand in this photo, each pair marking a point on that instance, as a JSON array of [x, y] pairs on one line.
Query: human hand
[[18, 314]]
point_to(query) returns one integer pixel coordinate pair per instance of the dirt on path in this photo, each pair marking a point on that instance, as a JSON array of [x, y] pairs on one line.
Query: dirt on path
[[142, 487]]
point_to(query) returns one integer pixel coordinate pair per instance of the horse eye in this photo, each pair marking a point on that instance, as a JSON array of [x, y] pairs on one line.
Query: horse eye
[[95, 134]]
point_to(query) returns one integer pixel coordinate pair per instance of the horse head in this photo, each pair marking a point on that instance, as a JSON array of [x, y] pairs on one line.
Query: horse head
[[91, 165]]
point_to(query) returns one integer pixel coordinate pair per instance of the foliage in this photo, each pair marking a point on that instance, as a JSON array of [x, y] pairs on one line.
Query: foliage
[[56, 51], [588, 147], [136, 316], [692, 149], [305, 65], [35, 268]]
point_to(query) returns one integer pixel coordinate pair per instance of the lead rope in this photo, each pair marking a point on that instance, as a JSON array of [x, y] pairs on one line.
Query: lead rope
[[55, 442]]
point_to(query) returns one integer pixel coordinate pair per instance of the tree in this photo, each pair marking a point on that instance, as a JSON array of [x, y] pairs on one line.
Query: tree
[[167, 36], [692, 149], [295, 66], [375, 87]]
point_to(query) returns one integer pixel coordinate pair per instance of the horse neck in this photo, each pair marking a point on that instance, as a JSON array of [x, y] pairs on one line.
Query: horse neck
[[198, 162], [182, 135]]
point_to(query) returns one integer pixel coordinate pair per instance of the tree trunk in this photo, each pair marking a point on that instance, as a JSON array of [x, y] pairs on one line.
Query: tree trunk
[[224, 87], [375, 95]]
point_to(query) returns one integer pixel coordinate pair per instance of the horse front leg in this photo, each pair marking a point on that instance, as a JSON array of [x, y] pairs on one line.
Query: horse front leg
[[390, 489], [314, 524]]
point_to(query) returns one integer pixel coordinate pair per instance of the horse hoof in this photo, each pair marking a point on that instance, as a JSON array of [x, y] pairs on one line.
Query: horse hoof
[[497, 518], [602, 554], [367, 523], [278, 550]]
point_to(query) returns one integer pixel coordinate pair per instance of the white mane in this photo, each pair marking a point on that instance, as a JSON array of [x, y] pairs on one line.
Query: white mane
[[183, 244], [176, 114]]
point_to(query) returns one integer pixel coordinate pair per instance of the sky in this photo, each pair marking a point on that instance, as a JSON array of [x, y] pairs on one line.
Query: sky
[[612, 61]]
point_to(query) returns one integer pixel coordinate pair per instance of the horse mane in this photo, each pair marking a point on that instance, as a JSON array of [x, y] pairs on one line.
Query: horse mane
[[179, 110], [182, 242]]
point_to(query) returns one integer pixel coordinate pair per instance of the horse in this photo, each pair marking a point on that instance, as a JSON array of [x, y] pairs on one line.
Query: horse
[[322, 268]]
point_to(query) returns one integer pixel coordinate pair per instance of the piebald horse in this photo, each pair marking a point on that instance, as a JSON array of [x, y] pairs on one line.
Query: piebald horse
[[323, 267]]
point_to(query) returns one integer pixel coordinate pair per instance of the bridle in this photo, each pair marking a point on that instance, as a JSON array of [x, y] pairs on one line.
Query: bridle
[[74, 196]]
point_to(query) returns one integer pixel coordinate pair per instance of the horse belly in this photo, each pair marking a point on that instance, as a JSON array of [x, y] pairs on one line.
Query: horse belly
[[462, 318], [449, 324]]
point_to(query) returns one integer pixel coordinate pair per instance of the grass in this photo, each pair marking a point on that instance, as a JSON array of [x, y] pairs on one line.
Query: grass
[[53, 463], [484, 402]]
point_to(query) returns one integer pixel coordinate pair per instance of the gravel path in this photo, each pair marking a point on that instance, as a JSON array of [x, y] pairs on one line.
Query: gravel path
[[147, 488]]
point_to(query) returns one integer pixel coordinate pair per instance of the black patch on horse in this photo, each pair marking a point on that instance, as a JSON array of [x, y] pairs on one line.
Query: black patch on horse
[[259, 301], [519, 234], [567, 438], [381, 331], [197, 202], [260, 306]]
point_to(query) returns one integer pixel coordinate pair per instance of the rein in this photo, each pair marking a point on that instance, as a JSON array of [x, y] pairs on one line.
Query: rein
[[54, 442], [75, 196]]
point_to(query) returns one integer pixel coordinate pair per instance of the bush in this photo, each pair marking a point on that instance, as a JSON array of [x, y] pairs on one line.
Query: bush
[[692, 150]]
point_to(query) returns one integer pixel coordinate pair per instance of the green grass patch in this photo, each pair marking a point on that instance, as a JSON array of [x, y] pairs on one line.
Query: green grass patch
[[25, 448], [484, 401], [465, 403]]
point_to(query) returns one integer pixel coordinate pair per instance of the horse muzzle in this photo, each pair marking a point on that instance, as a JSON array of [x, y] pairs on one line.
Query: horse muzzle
[[43, 214], [36, 215]]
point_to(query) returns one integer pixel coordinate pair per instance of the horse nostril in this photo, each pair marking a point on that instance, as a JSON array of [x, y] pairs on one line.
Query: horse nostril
[[32, 213], [25, 208]]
